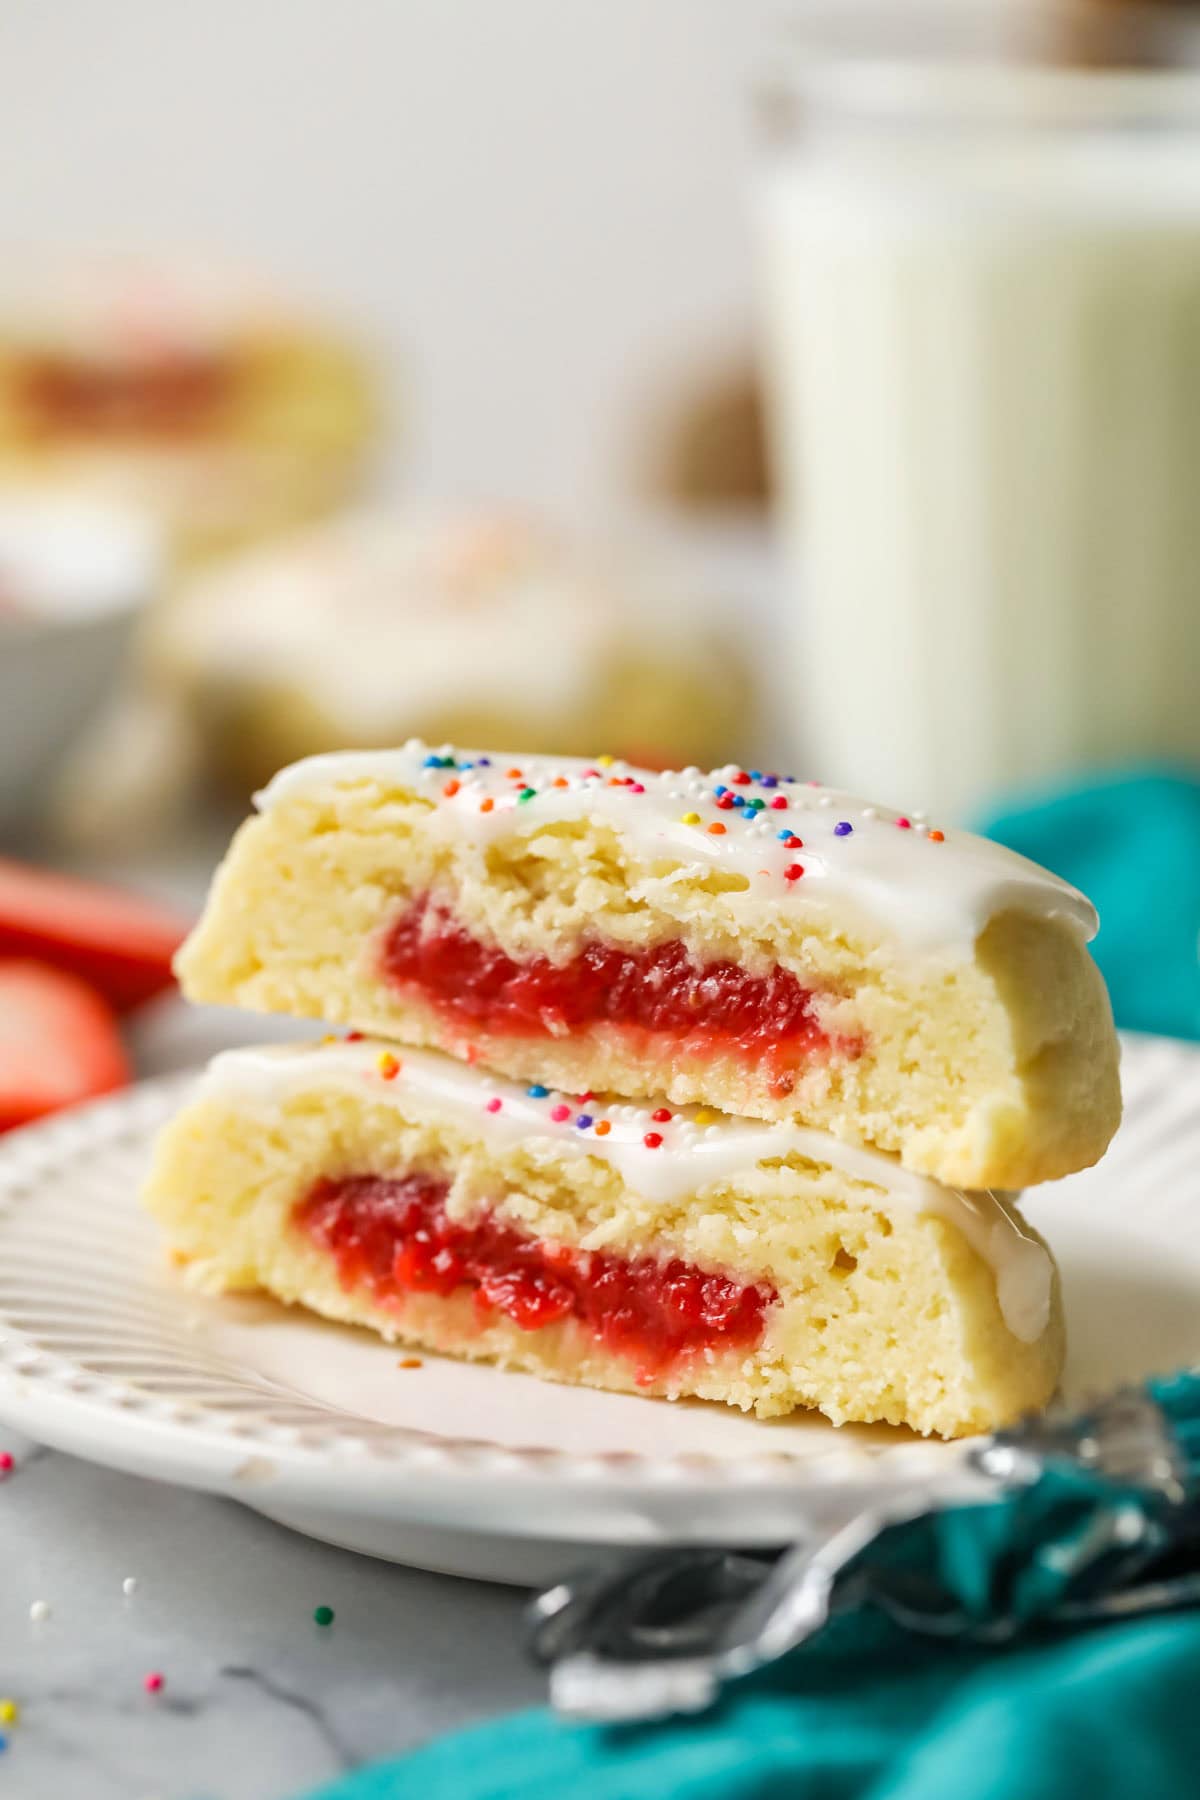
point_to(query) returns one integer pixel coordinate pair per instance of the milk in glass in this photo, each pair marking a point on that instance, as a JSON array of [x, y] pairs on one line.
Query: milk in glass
[[982, 290]]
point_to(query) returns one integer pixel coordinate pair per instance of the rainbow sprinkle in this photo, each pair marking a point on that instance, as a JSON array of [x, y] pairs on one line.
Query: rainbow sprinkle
[[736, 797]]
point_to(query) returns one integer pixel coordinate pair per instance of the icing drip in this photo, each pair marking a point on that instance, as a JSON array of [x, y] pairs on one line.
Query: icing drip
[[662, 1153], [796, 844]]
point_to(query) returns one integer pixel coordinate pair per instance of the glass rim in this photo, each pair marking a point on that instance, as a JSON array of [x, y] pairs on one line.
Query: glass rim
[[989, 62]]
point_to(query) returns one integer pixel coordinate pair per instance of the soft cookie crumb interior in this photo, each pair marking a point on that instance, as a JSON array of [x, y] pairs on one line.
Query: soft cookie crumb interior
[[867, 1312], [996, 1069]]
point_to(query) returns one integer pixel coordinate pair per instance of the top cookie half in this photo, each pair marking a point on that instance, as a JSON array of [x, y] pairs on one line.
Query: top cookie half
[[738, 939]]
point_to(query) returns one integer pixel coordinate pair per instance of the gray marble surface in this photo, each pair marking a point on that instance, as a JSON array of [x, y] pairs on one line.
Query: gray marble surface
[[259, 1702]]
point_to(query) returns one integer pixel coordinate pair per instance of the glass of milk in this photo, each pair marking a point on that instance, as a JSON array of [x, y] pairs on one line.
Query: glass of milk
[[981, 246]]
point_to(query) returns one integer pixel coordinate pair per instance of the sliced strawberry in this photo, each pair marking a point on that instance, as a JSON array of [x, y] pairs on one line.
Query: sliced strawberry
[[119, 942], [59, 1042]]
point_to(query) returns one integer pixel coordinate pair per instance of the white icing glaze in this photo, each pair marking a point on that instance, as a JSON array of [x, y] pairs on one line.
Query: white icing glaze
[[930, 892], [381, 617], [699, 1148]]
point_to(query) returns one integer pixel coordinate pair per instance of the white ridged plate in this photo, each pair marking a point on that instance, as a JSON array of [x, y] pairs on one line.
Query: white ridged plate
[[104, 1354]]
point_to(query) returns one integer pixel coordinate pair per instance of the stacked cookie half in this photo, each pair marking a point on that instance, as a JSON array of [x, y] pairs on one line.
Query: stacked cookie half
[[686, 1084]]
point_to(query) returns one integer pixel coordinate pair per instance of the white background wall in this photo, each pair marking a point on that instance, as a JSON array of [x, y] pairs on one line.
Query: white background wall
[[535, 208]]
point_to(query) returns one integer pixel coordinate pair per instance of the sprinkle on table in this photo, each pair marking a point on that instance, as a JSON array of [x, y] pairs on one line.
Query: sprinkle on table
[[154, 1682], [7, 1462], [129, 1586], [39, 1612], [323, 1615], [10, 1712]]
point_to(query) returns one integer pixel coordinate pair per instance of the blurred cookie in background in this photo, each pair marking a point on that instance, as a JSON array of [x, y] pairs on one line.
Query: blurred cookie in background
[[182, 387], [704, 448], [475, 627]]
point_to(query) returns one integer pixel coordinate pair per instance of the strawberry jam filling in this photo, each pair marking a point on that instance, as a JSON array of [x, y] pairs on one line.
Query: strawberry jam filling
[[172, 395], [392, 1235], [701, 1007]]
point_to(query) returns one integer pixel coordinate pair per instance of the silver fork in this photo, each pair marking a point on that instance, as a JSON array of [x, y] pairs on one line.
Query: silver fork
[[663, 1631]]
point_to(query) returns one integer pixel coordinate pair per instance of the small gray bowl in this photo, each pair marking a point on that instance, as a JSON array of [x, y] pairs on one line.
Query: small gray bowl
[[74, 574]]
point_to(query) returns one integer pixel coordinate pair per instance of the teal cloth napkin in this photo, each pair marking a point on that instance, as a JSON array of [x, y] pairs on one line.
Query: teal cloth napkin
[[1132, 843], [865, 1712], [1109, 1714]]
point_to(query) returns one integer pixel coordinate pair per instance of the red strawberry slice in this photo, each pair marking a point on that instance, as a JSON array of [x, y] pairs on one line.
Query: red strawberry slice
[[119, 942], [59, 1042]]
